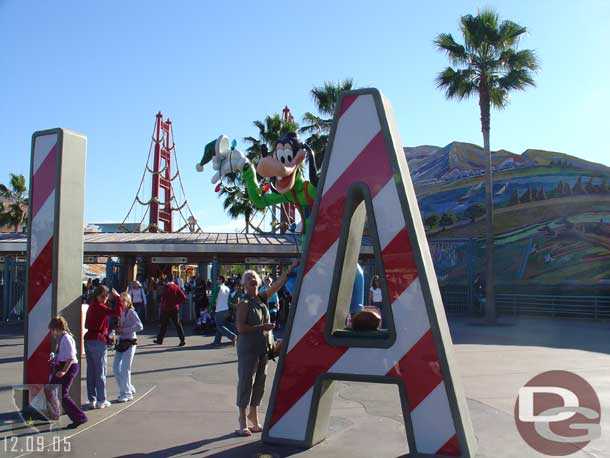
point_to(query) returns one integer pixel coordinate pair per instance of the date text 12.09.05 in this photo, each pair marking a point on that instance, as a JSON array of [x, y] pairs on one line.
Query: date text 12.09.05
[[29, 444]]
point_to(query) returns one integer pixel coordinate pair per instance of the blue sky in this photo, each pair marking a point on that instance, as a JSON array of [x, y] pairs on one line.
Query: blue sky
[[105, 68]]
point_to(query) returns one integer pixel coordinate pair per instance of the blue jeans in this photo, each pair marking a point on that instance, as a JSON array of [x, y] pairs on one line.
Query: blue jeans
[[140, 310], [221, 327], [96, 353], [122, 371]]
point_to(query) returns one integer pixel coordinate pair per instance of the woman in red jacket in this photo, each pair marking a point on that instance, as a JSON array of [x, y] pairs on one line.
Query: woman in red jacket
[[96, 340]]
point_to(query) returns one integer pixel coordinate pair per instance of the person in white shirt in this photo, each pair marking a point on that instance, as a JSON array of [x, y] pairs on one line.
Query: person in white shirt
[[375, 297], [129, 324], [222, 313], [138, 297], [66, 364]]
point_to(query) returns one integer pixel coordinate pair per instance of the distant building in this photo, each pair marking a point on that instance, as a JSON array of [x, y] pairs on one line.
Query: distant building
[[115, 227]]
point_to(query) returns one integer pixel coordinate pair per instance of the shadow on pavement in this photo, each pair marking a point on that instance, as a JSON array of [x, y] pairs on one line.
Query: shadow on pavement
[[561, 333], [253, 450], [248, 450]]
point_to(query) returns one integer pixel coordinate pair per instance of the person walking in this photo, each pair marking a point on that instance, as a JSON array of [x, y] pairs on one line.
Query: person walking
[[222, 313], [67, 369], [96, 340], [138, 296], [129, 325], [254, 342], [171, 298]]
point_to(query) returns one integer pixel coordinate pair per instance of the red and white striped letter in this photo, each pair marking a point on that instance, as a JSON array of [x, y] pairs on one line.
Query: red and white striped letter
[[365, 152], [55, 247]]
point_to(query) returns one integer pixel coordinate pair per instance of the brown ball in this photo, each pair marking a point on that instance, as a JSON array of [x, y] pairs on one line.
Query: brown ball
[[367, 320]]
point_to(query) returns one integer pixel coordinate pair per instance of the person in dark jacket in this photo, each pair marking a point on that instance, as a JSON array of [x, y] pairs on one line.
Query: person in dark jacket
[[171, 298]]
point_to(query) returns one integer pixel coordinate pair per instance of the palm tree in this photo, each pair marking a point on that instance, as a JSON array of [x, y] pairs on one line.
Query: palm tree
[[325, 98], [15, 213], [491, 67], [237, 204]]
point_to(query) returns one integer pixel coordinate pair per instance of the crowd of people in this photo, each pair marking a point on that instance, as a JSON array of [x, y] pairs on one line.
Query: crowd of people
[[245, 309]]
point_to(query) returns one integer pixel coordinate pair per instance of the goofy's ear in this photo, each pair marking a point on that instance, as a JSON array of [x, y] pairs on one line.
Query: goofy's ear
[[264, 150]]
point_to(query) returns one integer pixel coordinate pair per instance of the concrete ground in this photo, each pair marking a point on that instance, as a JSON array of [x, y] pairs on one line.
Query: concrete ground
[[185, 401]]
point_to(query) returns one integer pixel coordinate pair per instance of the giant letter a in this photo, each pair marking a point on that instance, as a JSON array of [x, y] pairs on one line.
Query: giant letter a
[[365, 170]]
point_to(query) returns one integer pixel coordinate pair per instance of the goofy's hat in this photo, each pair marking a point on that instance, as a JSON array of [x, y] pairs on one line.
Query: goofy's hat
[[217, 147]]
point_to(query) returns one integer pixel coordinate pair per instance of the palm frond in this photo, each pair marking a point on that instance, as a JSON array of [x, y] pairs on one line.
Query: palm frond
[[499, 98], [18, 183], [455, 52], [517, 79], [5, 192], [460, 84], [510, 32]]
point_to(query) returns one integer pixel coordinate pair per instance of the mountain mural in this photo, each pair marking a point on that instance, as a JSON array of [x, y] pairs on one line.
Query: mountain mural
[[433, 165], [551, 212]]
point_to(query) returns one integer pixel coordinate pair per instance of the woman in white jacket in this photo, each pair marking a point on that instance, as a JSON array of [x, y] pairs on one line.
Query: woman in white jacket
[[129, 324]]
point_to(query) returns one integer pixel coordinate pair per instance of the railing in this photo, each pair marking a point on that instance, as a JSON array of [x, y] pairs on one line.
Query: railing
[[455, 299], [554, 305], [582, 301]]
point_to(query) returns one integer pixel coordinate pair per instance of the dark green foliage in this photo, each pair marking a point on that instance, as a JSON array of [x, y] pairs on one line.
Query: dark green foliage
[[475, 211], [447, 219], [491, 64], [432, 220], [325, 98], [13, 212]]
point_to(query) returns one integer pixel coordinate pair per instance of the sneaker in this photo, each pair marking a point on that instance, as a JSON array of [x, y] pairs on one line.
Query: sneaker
[[102, 405], [182, 344], [91, 405], [124, 398]]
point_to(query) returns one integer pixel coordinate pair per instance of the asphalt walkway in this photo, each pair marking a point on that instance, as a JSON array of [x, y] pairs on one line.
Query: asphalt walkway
[[185, 401]]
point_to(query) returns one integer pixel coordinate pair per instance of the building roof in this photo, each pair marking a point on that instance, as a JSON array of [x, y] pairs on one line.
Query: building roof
[[202, 245]]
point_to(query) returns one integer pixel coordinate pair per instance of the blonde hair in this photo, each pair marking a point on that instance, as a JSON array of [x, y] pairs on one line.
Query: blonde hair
[[250, 273], [59, 323], [127, 300]]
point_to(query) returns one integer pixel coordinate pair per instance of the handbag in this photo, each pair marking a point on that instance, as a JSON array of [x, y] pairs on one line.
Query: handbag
[[124, 344], [270, 341]]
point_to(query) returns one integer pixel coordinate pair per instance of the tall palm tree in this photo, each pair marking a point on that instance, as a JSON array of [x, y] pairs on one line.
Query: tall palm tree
[[237, 204], [491, 67], [325, 98], [13, 212]]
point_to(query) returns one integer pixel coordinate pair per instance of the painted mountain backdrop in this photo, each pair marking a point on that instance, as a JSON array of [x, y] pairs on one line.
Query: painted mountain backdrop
[[552, 211]]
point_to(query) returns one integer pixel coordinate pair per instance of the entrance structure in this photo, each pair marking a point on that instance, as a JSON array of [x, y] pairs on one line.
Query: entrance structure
[[55, 248], [365, 174]]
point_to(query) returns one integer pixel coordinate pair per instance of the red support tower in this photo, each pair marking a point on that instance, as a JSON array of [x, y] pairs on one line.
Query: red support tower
[[161, 179], [287, 216]]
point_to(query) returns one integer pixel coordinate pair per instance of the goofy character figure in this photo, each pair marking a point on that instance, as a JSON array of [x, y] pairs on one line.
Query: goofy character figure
[[282, 168]]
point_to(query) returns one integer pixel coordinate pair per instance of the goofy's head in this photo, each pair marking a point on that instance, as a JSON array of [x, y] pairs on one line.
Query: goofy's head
[[283, 165]]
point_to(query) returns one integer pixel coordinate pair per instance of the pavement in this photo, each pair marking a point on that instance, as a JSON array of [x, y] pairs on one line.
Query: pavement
[[185, 404]]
